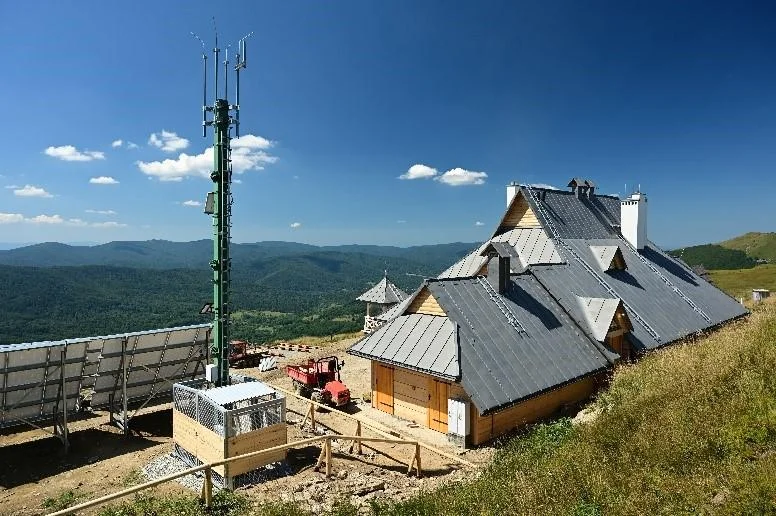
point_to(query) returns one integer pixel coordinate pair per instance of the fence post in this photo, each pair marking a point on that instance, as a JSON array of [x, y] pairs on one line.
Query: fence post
[[312, 416], [417, 459], [356, 442], [328, 457], [207, 488]]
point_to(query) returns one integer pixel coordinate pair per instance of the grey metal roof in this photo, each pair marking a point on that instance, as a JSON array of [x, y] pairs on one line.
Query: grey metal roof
[[598, 313], [501, 366], [384, 293], [643, 292], [577, 217], [428, 343], [533, 246], [238, 392]]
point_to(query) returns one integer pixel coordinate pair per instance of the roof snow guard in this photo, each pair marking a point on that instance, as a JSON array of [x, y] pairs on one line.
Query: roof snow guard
[[384, 293]]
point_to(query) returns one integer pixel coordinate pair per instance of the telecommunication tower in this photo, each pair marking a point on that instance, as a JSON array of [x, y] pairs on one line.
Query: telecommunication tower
[[221, 116]]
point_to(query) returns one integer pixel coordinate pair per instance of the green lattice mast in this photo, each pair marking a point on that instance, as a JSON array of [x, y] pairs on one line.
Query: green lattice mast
[[219, 201]]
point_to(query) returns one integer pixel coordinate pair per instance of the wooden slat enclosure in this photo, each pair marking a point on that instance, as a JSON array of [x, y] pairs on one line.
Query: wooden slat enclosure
[[487, 427], [261, 439], [425, 303], [201, 442]]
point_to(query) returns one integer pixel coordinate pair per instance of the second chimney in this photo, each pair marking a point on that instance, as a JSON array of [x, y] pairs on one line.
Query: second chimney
[[498, 272]]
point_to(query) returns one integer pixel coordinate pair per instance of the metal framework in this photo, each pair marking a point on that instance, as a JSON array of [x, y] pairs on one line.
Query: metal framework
[[48, 383], [219, 203]]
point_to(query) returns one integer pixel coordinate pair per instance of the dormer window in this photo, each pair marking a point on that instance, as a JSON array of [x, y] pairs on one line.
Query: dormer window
[[608, 257]]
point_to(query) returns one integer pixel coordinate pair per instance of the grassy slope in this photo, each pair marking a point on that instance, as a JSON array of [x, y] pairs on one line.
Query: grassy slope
[[739, 283], [758, 245], [689, 429]]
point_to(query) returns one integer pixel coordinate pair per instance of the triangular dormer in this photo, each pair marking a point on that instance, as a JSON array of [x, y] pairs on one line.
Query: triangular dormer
[[608, 257], [604, 315]]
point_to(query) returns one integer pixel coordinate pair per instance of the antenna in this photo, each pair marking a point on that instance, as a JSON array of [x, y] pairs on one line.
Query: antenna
[[239, 64], [219, 204]]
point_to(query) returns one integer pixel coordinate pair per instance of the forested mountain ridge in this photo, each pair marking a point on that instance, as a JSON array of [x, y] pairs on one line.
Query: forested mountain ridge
[[742, 252], [275, 297], [164, 254]]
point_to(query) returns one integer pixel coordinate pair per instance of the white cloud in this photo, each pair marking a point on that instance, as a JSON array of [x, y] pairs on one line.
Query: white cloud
[[101, 212], [117, 143], [401, 221], [132, 145], [109, 224], [70, 153], [13, 187], [16, 218], [168, 141], [191, 203], [103, 180], [11, 218], [237, 181], [295, 225], [461, 177], [46, 219], [419, 171], [545, 186], [478, 223], [31, 191], [248, 153]]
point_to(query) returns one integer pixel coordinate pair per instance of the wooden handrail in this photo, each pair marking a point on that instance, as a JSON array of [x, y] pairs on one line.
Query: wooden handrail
[[208, 467]]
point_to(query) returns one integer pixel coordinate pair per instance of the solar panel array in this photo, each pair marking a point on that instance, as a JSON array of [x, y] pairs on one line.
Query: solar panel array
[[37, 378]]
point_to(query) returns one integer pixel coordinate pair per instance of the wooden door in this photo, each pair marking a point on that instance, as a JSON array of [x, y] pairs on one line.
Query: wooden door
[[383, 382], [437, 405]]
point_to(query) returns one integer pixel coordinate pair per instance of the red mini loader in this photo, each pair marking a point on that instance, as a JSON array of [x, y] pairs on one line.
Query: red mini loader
[[320, 381]]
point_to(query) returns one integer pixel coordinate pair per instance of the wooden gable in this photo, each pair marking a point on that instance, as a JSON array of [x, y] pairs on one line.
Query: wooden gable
[[519, 215], [425, 303]]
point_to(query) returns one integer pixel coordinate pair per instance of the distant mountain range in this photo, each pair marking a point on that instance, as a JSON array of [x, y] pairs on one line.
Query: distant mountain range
[[741, 252], [280, 289], [164, 254]]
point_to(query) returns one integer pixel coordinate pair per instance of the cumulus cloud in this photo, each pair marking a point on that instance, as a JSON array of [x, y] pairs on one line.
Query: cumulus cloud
[[461, 177], [132, 145], [117, 143], [16, 218], [70, 153], [11, 218], [419, 171], [31, 191], [248, 153], [295, 225], [101, 212], [545, 186], [478, 223], [103, 180], [168, 141], [191, 203]]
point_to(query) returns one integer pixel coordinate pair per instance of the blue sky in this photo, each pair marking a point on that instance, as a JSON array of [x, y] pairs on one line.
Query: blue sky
[[342, 98]]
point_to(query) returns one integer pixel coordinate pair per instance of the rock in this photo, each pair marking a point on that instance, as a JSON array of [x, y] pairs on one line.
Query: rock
[[342, 474], [721, 497], [369, 487]]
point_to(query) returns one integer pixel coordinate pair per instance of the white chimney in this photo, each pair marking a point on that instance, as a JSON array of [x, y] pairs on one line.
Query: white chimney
[[512, 189], [633, 219]]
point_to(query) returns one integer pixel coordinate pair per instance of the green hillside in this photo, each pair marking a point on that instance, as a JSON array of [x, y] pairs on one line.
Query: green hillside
[[316, 292], [739, 283], [756, 245], [712, 256]]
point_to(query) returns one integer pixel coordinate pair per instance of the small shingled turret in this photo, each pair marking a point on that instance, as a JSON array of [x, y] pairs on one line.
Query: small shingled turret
[[386, 295]]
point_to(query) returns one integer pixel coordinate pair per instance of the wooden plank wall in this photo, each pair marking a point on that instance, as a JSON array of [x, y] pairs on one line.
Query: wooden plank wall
[[410, 396], [425, 303], [382, 387], [485, 428], [268, 437], [201, 442], [520, 215]]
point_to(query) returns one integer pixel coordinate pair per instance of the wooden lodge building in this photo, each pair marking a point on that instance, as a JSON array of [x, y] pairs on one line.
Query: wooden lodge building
[[533, 319]]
